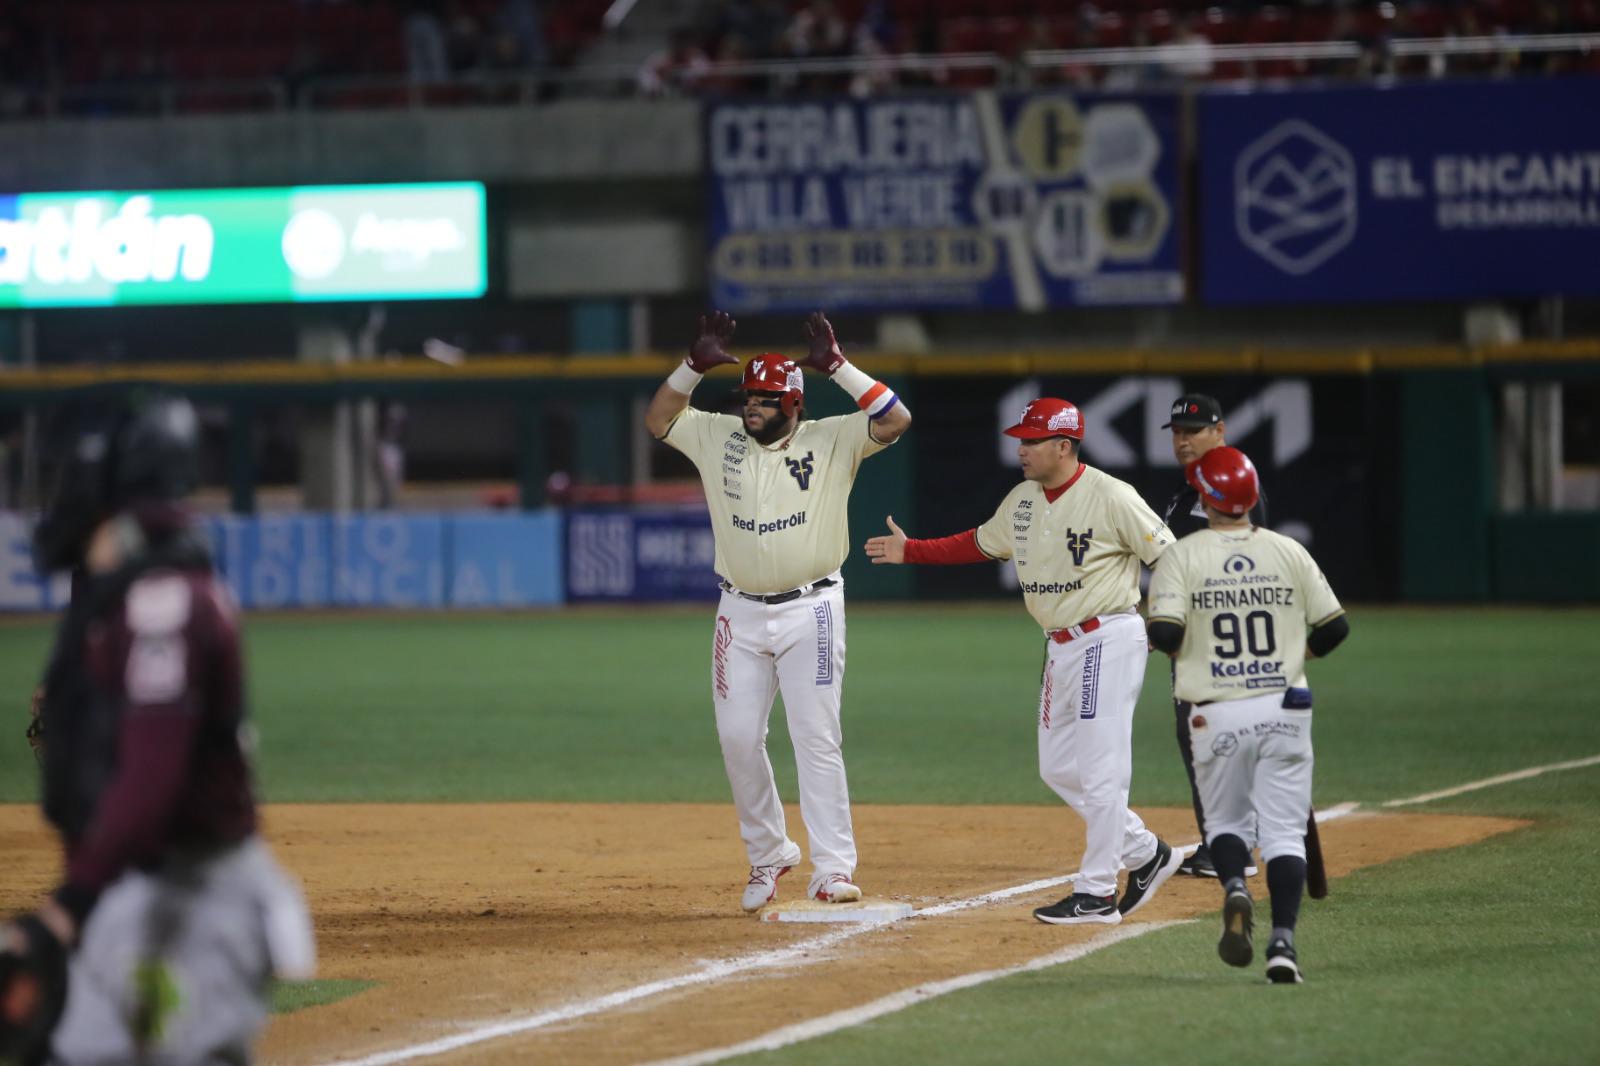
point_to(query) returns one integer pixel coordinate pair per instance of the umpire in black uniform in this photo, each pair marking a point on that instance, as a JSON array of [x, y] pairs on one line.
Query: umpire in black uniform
[[1197, 427]]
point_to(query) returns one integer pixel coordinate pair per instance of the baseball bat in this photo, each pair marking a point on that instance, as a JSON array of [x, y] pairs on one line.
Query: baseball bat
[[1316, 872]]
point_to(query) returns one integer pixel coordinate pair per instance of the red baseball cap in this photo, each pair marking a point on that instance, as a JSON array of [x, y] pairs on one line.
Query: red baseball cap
[[1048, 417]]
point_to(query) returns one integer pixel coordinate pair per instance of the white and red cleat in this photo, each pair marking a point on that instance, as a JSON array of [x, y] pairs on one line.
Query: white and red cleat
[[837, 888], [763, 886]]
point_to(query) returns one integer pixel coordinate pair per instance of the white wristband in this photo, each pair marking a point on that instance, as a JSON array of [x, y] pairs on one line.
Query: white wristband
[[684, 379], [852, 380], [873, 397]]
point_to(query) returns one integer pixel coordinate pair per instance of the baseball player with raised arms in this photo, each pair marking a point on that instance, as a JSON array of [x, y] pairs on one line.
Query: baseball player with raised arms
[[777, 486], [1233, 604], [1078, 536], [172, 915]]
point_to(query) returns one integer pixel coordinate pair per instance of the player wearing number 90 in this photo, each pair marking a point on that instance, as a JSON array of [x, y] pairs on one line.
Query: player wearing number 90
[[1233, 604]]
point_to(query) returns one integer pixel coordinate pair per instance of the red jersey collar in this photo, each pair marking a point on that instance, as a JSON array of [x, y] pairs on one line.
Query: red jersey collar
[[1052, 495]]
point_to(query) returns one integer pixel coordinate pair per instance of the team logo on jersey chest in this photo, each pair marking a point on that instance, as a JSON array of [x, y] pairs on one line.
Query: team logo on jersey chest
[[801, 470], [1078, 544]]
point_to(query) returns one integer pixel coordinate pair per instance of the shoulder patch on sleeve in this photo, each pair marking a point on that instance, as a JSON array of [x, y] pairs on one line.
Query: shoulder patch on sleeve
[[159, 605]]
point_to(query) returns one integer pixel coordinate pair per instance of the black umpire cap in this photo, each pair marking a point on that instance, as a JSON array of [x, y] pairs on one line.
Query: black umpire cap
[[1195, 410]]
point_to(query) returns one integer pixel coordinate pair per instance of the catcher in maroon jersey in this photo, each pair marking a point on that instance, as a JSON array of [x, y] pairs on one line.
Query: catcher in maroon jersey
[[172, 916]]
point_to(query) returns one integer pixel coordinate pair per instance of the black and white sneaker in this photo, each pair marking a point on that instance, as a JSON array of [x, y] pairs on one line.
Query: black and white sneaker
[[1283, 967], [1081, 909], [1238, 918], [1143, 882]]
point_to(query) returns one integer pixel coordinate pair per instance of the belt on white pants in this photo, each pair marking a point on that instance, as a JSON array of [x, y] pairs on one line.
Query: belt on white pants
[[779, 597], [1084, 628]]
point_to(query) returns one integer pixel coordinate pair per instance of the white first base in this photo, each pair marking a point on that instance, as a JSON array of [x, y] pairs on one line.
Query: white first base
[[810, 910]]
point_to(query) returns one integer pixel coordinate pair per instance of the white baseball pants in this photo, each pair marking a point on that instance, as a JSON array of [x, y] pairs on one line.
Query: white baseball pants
[[797, 648], [1086, 703], [1253, 761]]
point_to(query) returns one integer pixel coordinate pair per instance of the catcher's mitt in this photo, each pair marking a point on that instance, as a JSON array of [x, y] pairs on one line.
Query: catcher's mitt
[[33, 989]]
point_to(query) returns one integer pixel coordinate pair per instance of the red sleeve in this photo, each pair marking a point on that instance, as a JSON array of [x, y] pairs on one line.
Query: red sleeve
[[944, 551]]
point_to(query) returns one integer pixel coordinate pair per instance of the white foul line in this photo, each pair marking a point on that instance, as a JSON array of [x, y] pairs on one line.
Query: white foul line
[[715, 971], [711, 972], [845, 1019], [1489, 782]]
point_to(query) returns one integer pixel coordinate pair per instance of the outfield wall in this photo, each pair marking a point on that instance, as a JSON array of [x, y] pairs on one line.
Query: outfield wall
[[389, 561], [1388, 464]]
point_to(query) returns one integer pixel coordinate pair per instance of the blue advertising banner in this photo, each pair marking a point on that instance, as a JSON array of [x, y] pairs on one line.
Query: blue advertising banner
[[505, 560], [1408, 192], [399, 561], [389, 560], [21, 587], [275, 561], [979, 200], [641, 555]]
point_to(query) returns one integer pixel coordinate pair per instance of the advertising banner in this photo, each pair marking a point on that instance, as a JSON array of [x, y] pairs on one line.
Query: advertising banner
[[376, 560], [1021, 201], [269, 245], [1407, 192], [21, 587], [399, 561], [647, 555]]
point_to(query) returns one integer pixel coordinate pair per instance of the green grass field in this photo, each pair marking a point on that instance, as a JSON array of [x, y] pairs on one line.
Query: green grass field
[[1485, 954]]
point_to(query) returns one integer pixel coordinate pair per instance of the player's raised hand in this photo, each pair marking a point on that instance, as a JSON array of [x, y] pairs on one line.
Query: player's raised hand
[[825, 355], [889, 549], [710, 346]]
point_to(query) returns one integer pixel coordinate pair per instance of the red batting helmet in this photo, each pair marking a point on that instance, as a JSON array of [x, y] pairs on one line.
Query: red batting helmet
[[778, 375], [1048, 417], [1226, 479]]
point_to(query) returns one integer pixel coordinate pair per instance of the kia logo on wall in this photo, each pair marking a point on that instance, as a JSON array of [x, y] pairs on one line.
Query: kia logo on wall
[[1295, 197]]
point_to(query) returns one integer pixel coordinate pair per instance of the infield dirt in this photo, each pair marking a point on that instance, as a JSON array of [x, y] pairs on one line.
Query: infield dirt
[[467, 915]]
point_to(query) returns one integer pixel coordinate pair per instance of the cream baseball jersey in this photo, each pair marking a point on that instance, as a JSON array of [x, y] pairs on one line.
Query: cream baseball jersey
[[780, 514], [1079, 556], [1245, 598]]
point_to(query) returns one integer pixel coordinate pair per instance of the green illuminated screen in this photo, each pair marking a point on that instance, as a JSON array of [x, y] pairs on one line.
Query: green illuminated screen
[[275, 245]]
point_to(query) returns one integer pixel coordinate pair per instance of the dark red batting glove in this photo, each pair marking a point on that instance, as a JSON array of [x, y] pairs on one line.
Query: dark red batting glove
[[825, 355], [708, 349]]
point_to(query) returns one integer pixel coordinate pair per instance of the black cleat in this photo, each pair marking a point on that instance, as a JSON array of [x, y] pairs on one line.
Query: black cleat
[[1238, 917], [1198, 864], [1081, 909], [1283, 967], [1143, 882]]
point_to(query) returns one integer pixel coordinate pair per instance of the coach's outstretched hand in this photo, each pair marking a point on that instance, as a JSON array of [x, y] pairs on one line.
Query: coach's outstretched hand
[[889, 549], [709, 348], [825, 355]]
